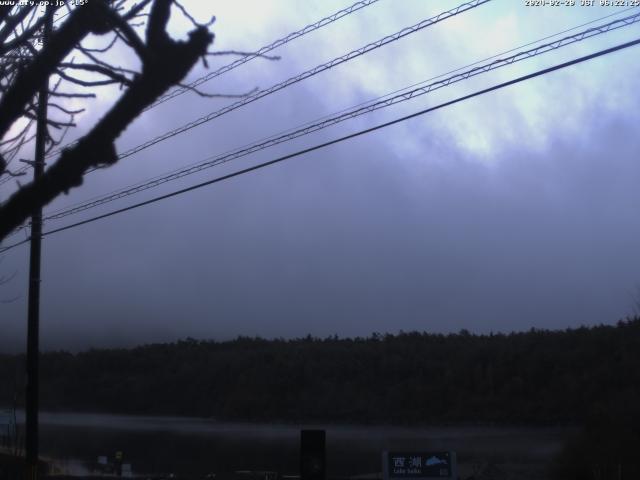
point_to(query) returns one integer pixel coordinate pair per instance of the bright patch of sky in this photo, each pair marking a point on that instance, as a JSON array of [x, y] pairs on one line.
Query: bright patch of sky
[[523, 113]]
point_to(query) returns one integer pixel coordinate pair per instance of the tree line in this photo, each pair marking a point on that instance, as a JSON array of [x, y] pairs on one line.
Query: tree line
[[533, 377]]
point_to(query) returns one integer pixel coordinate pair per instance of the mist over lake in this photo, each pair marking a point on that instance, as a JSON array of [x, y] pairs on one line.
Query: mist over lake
[[193, 446]]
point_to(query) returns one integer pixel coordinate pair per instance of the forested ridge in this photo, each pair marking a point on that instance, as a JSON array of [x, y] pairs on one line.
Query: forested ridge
[[536, 377]]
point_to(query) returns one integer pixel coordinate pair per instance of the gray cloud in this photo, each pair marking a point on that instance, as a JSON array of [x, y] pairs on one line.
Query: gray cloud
[[408, 228]]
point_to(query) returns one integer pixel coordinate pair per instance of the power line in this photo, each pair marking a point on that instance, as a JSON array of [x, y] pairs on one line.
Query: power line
[[305, 30], [350, 113], [26, 167], [341, 139], [346, 115], [260, 52], [227, 68], [19, 172], [264, 50], [305, 75], [300, 77]]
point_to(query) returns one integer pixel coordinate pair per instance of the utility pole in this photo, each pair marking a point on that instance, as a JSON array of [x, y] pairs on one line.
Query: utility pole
[[33, 320]]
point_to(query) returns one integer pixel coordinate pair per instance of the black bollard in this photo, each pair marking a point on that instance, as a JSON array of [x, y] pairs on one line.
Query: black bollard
[[313, 463]]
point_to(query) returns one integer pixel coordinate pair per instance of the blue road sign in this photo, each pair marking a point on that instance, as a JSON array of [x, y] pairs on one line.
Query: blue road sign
[[418, 465]]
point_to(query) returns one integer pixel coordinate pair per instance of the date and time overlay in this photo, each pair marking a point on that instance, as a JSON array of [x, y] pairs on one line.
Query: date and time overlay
[[582, 3], [527, 3]]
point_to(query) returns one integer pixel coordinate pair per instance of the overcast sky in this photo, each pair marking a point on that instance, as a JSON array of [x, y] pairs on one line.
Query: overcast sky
[[514, 210]]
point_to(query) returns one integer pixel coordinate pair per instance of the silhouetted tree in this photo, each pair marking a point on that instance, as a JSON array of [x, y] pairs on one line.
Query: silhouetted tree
[[24, 67]]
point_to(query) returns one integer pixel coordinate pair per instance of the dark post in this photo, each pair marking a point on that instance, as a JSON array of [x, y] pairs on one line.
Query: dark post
[[33, 320], [312, 455]]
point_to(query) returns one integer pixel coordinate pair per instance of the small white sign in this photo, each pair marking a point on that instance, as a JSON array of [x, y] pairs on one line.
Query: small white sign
[[126, 470]]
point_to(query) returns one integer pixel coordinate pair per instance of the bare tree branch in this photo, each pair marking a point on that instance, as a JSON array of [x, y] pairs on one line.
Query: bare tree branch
[[243, 54], [65, 110], [114, 78], [11, 22], [72, 95], [80, 23], [104, 64], [104, 49], [165, 63], [190, 18], [24, 37], [217, 95], [135, 10]]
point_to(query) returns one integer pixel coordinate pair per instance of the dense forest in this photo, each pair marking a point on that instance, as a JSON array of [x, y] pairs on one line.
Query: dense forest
[[536, 377]]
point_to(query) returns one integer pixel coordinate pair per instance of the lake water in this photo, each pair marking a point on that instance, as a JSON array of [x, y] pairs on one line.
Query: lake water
[[196, 446]]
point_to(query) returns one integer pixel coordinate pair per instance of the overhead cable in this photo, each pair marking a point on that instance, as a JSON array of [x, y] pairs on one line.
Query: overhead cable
[[305, 75], [264, 50], [26, 167], [346, 115], [340, 139], [230, 66]]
